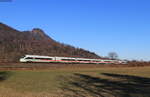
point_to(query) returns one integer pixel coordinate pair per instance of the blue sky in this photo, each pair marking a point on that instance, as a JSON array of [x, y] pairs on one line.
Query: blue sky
[[101, 26]]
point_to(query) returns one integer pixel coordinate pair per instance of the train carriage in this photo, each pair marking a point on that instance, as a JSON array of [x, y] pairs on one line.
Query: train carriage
[[49, 59]]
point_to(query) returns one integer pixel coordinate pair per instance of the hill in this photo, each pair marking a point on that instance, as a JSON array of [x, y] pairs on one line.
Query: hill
[[15, 43]]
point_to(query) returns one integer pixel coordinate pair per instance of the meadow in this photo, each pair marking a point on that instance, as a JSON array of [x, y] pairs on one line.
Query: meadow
[[76, 82]]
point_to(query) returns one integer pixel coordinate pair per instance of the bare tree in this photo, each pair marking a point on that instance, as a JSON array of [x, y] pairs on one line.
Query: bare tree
[[113, 55]]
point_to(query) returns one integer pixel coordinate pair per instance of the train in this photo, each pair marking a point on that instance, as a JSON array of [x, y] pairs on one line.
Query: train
[[50, 59]]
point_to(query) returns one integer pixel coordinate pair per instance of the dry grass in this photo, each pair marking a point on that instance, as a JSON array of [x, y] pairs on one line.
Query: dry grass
[[59, 81]]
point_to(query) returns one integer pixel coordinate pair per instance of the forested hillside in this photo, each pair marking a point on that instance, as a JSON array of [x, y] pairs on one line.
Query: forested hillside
[[14, 44]]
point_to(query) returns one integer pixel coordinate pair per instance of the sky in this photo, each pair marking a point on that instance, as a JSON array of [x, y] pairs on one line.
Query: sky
[[101, 26]]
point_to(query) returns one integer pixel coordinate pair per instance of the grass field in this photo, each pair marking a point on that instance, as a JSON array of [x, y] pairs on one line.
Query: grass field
[[76, 82]]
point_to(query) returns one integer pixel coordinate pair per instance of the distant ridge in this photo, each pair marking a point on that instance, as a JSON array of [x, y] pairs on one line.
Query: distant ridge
[[15, 43]]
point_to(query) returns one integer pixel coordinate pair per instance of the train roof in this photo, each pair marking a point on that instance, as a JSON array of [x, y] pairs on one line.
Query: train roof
[[38, 56]]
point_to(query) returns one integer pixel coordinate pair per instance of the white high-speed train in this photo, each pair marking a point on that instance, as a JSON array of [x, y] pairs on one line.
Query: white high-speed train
[[49, 59]]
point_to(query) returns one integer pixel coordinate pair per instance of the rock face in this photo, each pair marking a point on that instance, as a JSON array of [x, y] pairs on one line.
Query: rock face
[[14, 44]]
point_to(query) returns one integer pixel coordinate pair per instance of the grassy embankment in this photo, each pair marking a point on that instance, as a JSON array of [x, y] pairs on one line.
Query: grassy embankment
[[76, 82]]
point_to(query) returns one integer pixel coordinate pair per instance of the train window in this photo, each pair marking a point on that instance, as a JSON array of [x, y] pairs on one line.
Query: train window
[[44, 58], [107, 61], [80, 60], [29, 58], [96, 61], [84, 60]]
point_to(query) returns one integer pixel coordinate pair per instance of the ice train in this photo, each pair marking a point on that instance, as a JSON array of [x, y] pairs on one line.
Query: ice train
[[49, 59]]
